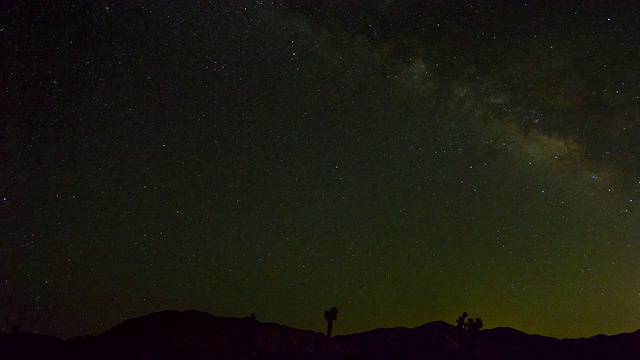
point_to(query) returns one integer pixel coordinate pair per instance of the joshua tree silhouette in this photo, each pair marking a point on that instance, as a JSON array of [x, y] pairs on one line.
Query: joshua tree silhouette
[[470, 324], [477, 325], [474, 325], [330, 316], [461, 320]]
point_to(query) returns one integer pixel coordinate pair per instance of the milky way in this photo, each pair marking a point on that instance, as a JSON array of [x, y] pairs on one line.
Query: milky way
[[242, 158]]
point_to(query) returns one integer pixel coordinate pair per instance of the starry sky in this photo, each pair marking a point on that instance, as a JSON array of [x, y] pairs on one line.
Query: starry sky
[[399, 160]]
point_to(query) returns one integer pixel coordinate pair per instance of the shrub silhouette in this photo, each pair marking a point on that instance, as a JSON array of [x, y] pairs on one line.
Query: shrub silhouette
[[330, 316]]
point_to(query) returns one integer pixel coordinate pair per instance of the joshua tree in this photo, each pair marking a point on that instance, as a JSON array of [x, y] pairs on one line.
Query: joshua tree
[[471, 324], [474, 325], [461, 320], [330, 316]]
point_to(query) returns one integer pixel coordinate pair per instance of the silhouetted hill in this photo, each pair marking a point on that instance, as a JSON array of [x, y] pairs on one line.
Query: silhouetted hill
[[198, 335], [33, 346]]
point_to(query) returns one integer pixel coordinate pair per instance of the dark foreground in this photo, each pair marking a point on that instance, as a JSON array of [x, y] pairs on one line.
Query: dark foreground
[[198, 335]]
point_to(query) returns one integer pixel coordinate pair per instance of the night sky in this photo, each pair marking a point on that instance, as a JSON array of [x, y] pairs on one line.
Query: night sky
[[402, 162]]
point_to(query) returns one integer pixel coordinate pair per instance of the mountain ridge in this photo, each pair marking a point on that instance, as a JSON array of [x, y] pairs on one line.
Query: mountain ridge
[[193, 334]]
